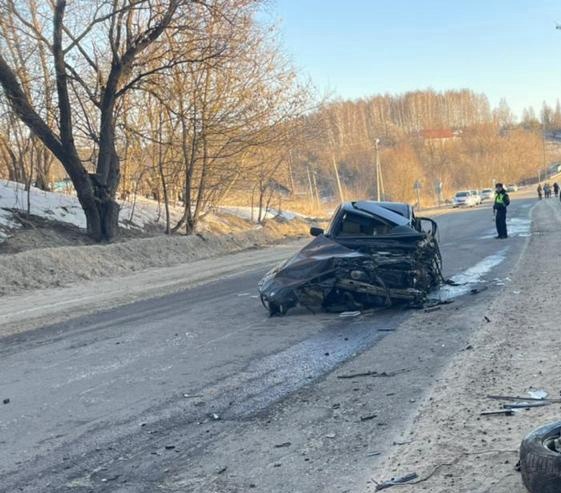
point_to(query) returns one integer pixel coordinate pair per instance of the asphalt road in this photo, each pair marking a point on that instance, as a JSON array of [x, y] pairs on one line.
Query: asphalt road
[[163, 394]]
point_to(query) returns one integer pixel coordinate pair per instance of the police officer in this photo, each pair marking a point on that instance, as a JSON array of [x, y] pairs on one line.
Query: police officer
[[502, 201]]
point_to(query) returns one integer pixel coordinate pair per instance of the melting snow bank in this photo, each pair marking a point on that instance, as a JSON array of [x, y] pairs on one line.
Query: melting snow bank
[[469, 278], [66, 209], [136, 214], [53, 267]]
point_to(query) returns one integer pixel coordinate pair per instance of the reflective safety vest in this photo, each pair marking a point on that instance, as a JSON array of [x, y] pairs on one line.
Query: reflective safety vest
[[501, 200]]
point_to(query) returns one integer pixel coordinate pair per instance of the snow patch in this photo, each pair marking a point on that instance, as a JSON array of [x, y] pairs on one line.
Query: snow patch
[[136, 213], [467, 279], [66, 208], [516, 226], [246, 213]]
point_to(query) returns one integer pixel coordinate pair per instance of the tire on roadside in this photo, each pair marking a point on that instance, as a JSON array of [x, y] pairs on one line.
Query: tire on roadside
[[540, 462]]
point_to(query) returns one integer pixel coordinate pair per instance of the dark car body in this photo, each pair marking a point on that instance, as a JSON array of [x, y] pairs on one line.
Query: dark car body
[[372, 254]]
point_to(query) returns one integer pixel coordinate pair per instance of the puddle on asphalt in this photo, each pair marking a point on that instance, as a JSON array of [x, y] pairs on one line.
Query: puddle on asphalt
[[517, 227], [469, 278]]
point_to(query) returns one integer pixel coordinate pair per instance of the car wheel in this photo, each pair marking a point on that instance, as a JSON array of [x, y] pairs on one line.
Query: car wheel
[[540, 459]]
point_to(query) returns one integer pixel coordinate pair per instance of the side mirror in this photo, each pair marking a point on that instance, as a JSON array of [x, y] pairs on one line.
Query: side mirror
[[316, 231]]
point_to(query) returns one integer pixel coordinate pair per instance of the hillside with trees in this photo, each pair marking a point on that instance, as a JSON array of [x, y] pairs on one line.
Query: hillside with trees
[[193, 104]]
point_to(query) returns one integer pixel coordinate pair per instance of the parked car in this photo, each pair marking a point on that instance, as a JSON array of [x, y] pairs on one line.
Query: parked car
[[372, 254], [487, 194], [464, 199], [512, 188]]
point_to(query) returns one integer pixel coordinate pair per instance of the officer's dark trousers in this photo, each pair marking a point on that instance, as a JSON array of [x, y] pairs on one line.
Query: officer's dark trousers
[[500, 220]]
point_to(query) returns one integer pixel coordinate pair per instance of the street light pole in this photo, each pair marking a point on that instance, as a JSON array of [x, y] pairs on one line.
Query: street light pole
[[379, 184]]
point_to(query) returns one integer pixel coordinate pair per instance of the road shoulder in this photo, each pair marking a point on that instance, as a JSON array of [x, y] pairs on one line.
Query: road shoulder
[[450, 446], [37, 308]]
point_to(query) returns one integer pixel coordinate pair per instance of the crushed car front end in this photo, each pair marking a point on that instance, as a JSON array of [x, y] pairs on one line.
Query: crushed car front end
[[373, 254]]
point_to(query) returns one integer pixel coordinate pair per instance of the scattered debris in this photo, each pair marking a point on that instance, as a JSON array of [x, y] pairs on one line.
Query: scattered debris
[[215, 417], [192, 396], [170, 447], [487, 319], [284, 444], [479, 290], [384, 329], [504, 412], [368, 417], [526, 405], [393, 482], [538, 394], [349, 314], [433, 309], [222, 470], [374, 374], [330, 435], [408, 442], [521, 399], [373, 454], [6, 401]]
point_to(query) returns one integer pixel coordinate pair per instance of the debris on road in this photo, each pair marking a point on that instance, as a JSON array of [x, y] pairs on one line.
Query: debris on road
[[373, 255], [374, 374], [526, 405], [350, 314], [284, 444], [393, 482], [368, 417], [503, 412], [433, 309], [522, 399], [538, 394], [479, 289], [6, 401]]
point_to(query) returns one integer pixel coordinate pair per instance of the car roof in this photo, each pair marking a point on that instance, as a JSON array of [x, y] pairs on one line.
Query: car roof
[[397, 213]]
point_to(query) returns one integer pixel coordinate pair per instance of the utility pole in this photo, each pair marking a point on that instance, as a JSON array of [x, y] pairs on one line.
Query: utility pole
[[543, 144], [339, 186], [379, 178]]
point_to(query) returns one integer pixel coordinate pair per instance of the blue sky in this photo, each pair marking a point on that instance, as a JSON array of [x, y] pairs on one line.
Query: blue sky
[[504, 48]]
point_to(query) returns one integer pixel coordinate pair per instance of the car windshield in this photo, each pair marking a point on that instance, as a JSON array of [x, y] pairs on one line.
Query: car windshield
[[487, 190], [361, 225], [462, 194]]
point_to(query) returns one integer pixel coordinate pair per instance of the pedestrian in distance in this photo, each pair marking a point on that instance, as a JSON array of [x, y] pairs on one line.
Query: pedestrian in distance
[[540, 191], [502, 201], [556, 189]]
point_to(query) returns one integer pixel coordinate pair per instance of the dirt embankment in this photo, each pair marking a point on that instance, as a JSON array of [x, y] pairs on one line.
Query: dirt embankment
[[53, 267], [450, 445]]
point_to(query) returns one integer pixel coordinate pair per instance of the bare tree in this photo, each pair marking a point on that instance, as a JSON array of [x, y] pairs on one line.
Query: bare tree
[[99, 51]]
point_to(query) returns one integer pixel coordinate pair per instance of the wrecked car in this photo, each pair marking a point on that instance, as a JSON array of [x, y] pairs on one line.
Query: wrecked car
[[373, 254]]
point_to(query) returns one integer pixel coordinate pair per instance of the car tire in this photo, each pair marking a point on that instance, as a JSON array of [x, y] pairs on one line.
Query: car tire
[[540, 463]]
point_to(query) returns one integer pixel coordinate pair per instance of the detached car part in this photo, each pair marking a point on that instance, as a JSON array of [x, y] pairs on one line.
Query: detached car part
[[373, 254]]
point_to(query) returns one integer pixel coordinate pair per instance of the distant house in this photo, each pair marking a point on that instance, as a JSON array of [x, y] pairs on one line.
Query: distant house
[[440, 135]]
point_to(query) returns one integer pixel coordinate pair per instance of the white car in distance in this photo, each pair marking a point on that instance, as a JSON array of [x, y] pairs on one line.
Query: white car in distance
[[477, 195], [465, 198], [486, 194]]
